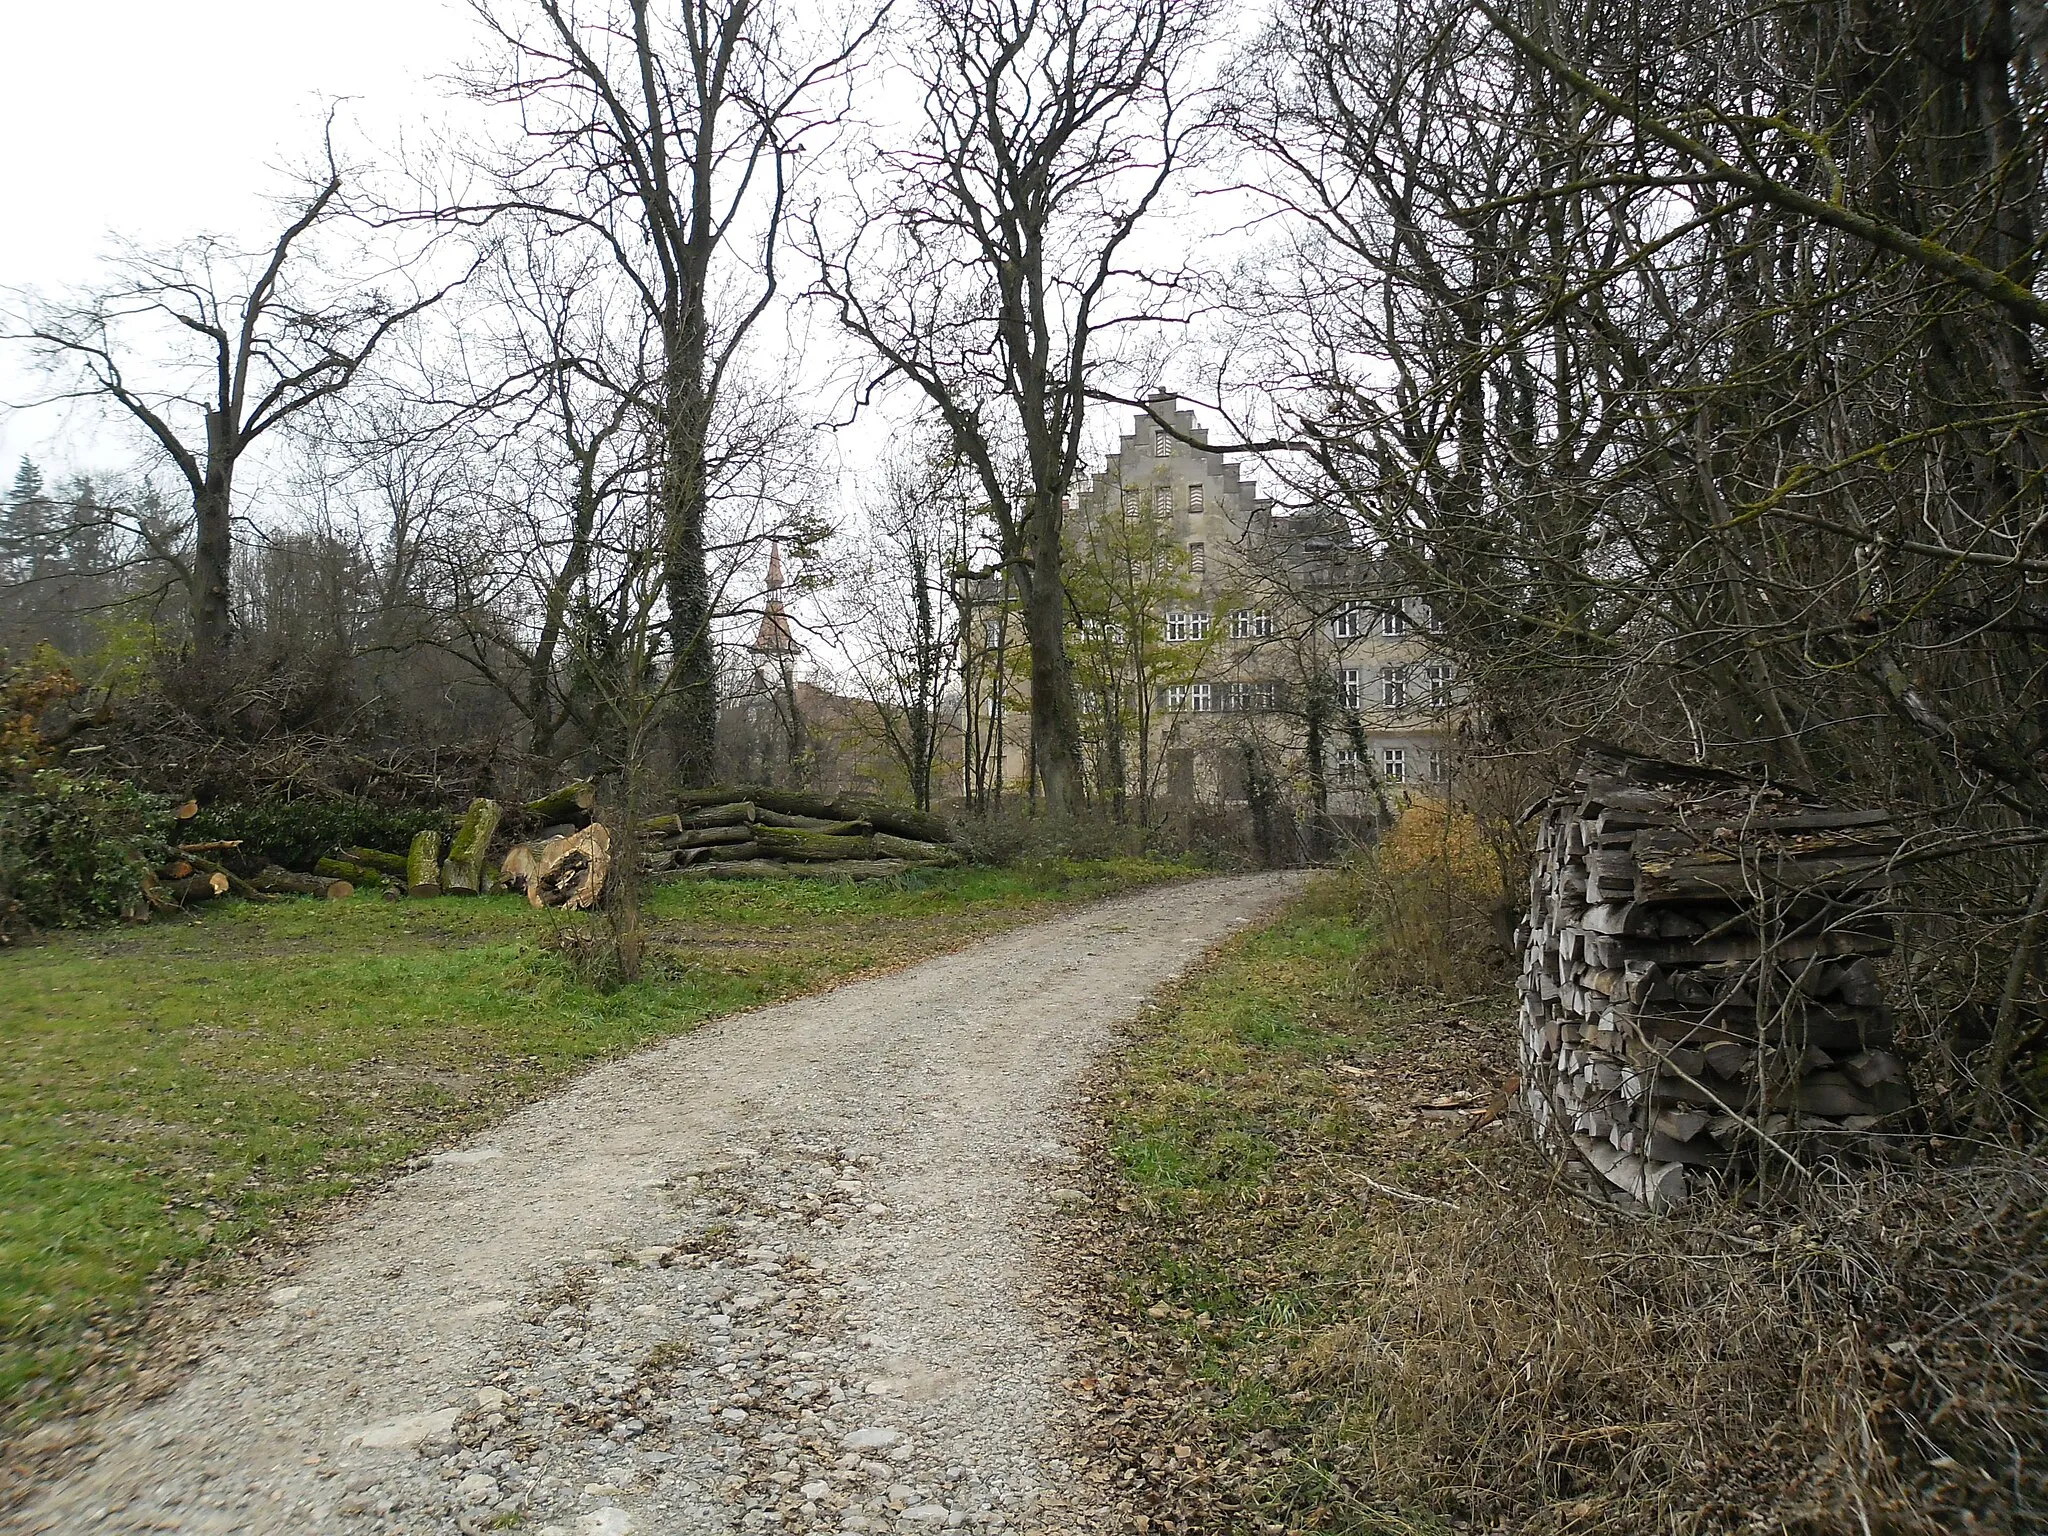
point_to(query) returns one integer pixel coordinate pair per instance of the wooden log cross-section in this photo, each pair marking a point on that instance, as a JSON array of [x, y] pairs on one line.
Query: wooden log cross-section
[[571, 871]]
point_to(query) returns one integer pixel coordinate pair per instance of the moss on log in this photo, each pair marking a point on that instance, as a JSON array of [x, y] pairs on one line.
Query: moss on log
[[572, 802], [792, 843], [423, 865], [890, 847], [393, 864], [462, 872], [357, 875]]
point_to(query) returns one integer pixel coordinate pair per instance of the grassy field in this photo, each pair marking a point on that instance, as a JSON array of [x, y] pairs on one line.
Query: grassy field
[[1341, 1296], [172, 1094]]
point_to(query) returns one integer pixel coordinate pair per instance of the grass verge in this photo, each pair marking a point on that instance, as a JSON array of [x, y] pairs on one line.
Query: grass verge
[[1343, 1294], [171, 1095]]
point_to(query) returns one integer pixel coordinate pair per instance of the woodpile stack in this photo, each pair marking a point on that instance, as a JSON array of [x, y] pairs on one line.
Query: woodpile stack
[[734, 833], [1699, 972]]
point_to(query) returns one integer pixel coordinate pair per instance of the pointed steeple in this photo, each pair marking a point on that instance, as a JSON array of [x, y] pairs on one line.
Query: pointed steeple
[[776, 637]]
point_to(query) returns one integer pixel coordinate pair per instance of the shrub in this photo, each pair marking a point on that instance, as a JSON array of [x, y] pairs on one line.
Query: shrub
[[1433, 895], [74, 848], [297, 833]]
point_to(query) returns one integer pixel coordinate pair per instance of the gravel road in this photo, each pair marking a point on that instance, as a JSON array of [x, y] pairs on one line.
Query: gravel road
[[776, 1275]]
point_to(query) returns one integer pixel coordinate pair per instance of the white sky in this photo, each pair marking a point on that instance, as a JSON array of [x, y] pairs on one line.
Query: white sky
[[161, 119]]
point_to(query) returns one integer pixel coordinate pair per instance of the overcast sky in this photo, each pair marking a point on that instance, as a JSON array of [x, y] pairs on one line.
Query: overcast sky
[[160, 120]]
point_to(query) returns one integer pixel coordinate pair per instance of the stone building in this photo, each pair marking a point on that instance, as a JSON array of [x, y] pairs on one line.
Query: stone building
[[1216, 636]]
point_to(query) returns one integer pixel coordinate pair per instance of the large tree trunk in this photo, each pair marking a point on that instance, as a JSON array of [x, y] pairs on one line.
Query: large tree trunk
[[1055, 717], [693, 711], [212, 554]]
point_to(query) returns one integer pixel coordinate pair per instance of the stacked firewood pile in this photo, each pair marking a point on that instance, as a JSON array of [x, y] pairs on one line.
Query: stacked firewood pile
[[739, 832], [1698, 977]]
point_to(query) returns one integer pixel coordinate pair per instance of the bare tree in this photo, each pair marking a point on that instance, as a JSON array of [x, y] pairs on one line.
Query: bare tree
[[993, 273], [210, 349], [668, 135]]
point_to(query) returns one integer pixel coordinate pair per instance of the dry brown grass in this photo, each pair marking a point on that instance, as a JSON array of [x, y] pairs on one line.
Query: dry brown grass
[[1377, 1316]]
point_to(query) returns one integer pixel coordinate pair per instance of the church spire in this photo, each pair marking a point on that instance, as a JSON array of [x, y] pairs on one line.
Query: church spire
[[776, 637]]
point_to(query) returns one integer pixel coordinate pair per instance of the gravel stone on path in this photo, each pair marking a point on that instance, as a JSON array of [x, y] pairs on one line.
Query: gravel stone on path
[[776, 1275]]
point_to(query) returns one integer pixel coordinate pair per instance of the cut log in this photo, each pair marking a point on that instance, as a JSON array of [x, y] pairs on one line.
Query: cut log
[[790, 843], [286, 882], [889, 846], [462, 872], [236, 883], [712, 837], [393, 864], [195, 888], [361, 876], [738, 814], [896, 820], [571, 871], [423, 865], [770, 869], [571, 803], [826, 825], [726, 852]]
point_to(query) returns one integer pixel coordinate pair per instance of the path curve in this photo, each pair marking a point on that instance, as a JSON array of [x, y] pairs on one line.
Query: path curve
[[773, 1275]]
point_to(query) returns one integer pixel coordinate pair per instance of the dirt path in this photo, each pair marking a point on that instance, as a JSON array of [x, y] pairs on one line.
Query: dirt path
[[772, 1276]]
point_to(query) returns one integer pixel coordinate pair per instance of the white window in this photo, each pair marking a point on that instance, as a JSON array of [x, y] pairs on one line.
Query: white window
[[1434, 620], [1198, 558], [1176, 628], [1439, 684], [1394, 764], [1394, 686], [1240, 698], [991, 633], [1194, 500], [1347, 624], [1394, 621], [1344, 765], [1439, 770], [995, 706], [1162, 445], [1251, 624], [1198, 625], [1265, 695], [1201, 698], [1177, 696], [1351, 681]]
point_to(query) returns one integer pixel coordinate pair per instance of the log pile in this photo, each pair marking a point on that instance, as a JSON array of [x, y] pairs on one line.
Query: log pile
[[735, 833], [1699, 973]]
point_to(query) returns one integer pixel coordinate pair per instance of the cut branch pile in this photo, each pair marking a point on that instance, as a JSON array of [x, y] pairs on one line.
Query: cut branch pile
[[1698, 982], [735, 833]]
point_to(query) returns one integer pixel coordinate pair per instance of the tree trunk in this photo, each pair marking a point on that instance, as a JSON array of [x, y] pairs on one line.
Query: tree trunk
[[212, 553], [1055, 718], [284, 882], [693, 711]]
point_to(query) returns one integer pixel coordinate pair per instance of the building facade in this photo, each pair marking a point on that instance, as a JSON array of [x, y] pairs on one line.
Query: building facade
[[1221, 646]]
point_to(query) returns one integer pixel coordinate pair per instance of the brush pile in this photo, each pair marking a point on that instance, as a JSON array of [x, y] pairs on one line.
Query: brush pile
[[1698, 973], [758, 831]]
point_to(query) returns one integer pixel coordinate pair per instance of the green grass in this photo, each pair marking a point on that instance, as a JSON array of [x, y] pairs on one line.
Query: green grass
[[170, 1095]]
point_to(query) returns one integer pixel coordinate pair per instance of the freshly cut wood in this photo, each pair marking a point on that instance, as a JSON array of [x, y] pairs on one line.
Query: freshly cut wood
[[195, 888], [521, 861], [218, 845], [826, 825], [462, 872], [236, 884], [572, 802], [423, 865], [790, 843], [288, 882], [571, 871], [393, 864], [177, 869], [891, 847]]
